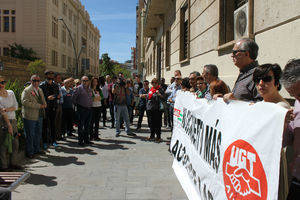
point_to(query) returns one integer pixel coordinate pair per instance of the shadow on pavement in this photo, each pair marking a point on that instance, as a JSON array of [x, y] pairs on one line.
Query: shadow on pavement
[[68, 150], [39, 179], [109, 146], [117, 141], [60, 160]]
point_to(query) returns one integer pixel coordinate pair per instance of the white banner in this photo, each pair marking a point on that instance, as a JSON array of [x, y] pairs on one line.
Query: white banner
[[227, 151]]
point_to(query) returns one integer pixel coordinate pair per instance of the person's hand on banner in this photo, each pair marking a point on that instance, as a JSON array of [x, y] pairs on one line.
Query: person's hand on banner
[[227, 97], [216, 96]]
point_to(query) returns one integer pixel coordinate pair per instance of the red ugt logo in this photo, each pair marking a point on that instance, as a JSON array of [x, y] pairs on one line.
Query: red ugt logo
[[243, 173]]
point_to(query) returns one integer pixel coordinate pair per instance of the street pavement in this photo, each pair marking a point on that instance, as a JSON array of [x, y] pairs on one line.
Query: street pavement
[[111, 169]]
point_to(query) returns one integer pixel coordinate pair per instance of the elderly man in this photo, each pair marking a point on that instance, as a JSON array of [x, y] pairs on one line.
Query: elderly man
[[210, 73], [172, 85], [291, 81], [244, 56], [172, 98], [33, 112], [82, 98]]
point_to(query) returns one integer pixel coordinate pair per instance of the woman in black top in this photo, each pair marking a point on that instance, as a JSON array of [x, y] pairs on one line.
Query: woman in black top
[[155, 98]]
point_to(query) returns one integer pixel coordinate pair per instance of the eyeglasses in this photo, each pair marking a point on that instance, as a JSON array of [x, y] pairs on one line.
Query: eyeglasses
[[201, 83], [265, 79], [85, 81], [234, 52], [153, 82], [178, 79], [35, 80], [2, 82]]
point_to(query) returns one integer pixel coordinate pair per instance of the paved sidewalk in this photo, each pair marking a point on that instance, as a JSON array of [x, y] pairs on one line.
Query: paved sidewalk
[[111, 169]]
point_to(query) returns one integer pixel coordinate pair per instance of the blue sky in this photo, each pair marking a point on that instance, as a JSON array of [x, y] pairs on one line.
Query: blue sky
[[116, 21]]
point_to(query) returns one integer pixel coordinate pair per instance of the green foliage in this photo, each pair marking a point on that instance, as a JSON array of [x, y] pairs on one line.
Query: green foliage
[[36, 67], [107, 67], [117, 69], [18, 51], [17, 88]]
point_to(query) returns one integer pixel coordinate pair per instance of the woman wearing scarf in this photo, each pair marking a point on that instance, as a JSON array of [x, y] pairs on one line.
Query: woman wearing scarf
[[155, 98]]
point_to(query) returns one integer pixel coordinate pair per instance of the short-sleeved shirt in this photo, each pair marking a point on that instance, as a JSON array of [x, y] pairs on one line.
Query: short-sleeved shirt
[[244, 87], [8, 102]]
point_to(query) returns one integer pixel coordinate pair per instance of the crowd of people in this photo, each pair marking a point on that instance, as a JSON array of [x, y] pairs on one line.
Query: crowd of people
[[84, 102]]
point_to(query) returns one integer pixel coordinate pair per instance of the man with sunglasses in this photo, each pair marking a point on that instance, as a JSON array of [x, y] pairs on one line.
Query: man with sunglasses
[[244, 54], [33, 113], [51, 94], [142, 103]]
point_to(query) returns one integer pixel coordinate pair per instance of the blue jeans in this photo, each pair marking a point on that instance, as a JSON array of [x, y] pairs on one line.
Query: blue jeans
[[85, 117], [122, 111], [33, 130]]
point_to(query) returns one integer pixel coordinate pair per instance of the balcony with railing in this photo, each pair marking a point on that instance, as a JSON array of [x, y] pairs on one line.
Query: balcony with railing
[[154, 16]]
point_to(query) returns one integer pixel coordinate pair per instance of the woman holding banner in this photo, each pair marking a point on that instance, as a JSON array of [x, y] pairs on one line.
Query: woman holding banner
[[154, 106], [266, 78]]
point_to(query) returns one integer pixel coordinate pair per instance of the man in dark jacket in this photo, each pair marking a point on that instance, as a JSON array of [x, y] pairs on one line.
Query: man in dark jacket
[[142, 103], [51, 94]]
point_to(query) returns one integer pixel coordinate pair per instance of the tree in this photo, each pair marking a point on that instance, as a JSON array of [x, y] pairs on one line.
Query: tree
[[106, 66], [117, 69], [36, 67], [18, 51]]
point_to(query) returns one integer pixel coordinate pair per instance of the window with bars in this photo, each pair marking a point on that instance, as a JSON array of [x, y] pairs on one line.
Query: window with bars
[[168, 49], [54, 28], [6, 51], [5, 24], [13, 24], [226, 25], [64, 35], [54, 58], [184, 32], [63, 61]]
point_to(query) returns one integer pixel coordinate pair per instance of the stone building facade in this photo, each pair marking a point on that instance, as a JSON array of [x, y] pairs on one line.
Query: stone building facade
[[187, 34], [39, 25]]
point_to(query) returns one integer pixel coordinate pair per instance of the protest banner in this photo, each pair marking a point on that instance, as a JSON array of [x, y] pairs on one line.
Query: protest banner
[[227, 151]]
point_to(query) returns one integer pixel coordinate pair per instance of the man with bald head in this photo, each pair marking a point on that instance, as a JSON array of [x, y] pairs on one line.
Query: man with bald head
[[244, 54], [82, 98]]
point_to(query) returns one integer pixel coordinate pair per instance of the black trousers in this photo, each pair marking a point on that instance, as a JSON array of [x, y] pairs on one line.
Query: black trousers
[[112, 113], [155, 117], [85, 116], [67, 117], [94, 127], [104, 112], [49, 129], [294, 192], [142, 110]]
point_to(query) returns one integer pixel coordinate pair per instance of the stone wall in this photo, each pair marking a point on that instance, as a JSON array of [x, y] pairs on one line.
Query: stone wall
[[16, 69]]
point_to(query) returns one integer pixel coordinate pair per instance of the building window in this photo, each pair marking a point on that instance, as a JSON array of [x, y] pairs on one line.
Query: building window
[[13, 12], [13, 24], [6, 24], [55, 2], [168, 50], [6, 12], [184, 31], [64, 35], [69, 62], [70, 15], [54, 58], [6, 51], [226, 25], [64, 7], [54, 28], [69, 41], [63, 61]]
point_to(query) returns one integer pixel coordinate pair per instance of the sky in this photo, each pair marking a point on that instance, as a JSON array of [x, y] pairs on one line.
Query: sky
[[117, 24]]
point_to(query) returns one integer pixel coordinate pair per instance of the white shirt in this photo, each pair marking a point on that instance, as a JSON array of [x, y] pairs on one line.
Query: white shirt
[[8, 102], [96, 103], [105, 91]]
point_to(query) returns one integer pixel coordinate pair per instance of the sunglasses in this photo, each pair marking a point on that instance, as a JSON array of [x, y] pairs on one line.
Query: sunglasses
[[153, 82], [85, 81], [234, 52], [265, 79], [2, 82], [35, 80]]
